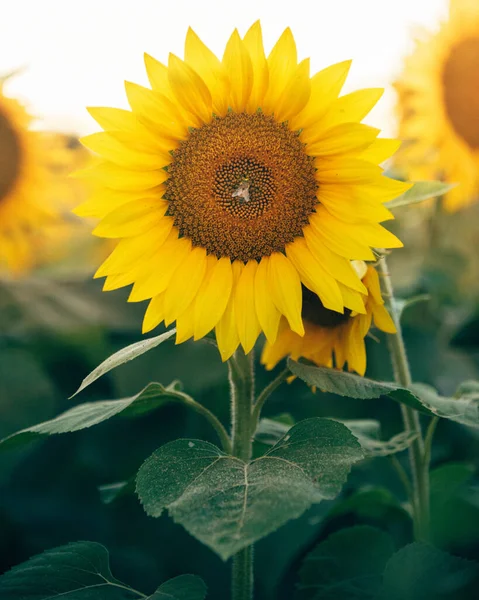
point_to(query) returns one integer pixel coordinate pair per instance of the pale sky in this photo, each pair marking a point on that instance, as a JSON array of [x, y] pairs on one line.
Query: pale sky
[[78, 53]]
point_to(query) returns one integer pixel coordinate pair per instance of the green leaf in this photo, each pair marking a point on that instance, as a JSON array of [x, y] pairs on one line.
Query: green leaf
[[420, 191], [270, 431], [347, 566], [124, 355], [184, 587], [422, 572], [368, 432], [402, 304], [81, 571], [86, 415], [464, 410], [353, 386], [467, 388], [228, 504]]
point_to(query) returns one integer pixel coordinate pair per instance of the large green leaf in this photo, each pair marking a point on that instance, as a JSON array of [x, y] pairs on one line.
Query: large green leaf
[[347, 566], [124, 355], [462, 409], [228, 504], [86, 415], [353, 386], [420, 191], [81, 571], [423, 572]]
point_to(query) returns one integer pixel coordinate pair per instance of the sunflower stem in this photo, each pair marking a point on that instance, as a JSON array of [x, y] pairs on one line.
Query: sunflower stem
[[241, 376], [418, 457], [266, 393]]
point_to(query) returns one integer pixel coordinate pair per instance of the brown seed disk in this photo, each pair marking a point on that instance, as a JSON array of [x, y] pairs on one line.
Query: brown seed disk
[[241, 186], [314, 312], [461, 90], [10, 156]]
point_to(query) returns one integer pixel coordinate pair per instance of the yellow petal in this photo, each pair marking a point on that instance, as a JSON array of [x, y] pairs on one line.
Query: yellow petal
[[282, 63], [134, 218], [356, 354], [160, 268], [345, 203], [314, 276], [157, 75], [116, 178], [383, 320], [253, 41], [185, 325], [285, 286], [226, 330], [189, 89], [352, 107], [184, 284], [246, 319], [210, 69], [268, 315], [103, 201], [345, 170], [295, 94], [114, 282], [213, 295], [111, 119], [352, 299], [380, 150], [237, 63], [325, 88], [154, 314], [342, 139]]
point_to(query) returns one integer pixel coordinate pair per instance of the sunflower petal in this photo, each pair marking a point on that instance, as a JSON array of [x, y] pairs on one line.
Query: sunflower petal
[[285, 286], [189, 89], [226, 331], [237, 63], [268, 314], [213, 295], [154, 314], [133, 218], [246, 319], [253, 41], [282, 62]]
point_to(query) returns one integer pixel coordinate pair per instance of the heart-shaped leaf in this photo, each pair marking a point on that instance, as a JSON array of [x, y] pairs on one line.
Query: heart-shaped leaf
[[228, 504], [81, 571], [86, 415], [124, 355]]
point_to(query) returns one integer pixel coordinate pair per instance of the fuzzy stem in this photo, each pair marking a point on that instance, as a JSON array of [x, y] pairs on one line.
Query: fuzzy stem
[[402, 375], [241, 376]]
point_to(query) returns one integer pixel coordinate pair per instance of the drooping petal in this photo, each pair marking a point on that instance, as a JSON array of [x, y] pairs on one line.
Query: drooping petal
[[226, 331], [154, 314], [268, 315], [213, 296], [246, 319], [285, 286]]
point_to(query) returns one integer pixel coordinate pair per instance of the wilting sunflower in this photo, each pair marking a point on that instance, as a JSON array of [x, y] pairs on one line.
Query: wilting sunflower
[[438, 101], [23, 204], [231, 184], [331, 338]]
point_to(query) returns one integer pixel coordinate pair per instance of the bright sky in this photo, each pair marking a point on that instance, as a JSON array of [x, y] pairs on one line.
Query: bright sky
[[78, 54]]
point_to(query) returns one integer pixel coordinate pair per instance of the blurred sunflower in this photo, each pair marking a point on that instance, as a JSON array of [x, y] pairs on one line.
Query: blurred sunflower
[[438, 102], [332, 339], [231, 184], [23, 175]]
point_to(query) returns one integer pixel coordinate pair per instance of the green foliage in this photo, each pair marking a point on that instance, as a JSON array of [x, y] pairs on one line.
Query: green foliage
[[81, 571], [92, 413], [461, 409], [420, 191], [228, 504], [360, 563], [124, 355]]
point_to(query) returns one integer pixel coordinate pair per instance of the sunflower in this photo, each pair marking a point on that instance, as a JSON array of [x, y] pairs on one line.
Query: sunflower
[[331, 338], [23, 175], [231, 184], [438, 103]]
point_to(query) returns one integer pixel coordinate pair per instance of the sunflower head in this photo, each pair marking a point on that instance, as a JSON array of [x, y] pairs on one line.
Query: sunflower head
[[30, 201], [438, 105], [332, 339], [234, 184]]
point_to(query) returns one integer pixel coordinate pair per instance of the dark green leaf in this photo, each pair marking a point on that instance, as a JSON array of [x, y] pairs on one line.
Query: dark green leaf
[[464, 409], [422, 572], [347, 566], [353, 386], [403, 304], [368, 432], [124, 355], [420, 191], [81, 571], [270, 431], [228, 504], [86, 415], [467, 388]]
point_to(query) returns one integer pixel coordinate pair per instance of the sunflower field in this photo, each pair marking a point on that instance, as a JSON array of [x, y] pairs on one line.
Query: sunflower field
[[239, 301]]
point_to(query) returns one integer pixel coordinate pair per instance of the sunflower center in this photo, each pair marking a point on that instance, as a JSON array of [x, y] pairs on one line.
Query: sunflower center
[[241, 186], [315, 313], [10, 156], [461, 90]]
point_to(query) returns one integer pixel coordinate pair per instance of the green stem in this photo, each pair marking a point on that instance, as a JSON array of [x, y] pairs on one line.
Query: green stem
[[402, 375], [241, 375], [266, 393]]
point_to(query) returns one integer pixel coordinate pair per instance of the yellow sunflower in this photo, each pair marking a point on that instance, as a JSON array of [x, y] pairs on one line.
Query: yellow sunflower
[[23, 204], [232, 183], [438, 102], [331, 338]]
